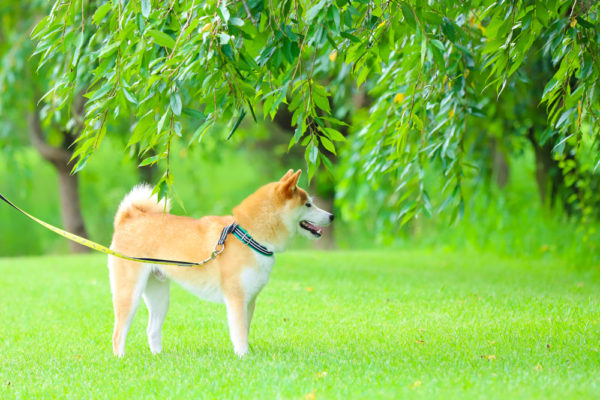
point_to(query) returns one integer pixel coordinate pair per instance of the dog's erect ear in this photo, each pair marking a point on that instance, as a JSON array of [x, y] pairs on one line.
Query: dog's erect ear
[[296, 176], [287, 175], [288, 186]]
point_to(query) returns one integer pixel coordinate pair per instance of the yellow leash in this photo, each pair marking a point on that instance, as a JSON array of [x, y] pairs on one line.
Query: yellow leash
[[106, 250]]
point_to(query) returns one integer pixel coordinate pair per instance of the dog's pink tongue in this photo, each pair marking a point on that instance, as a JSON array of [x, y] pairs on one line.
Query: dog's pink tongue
[[313, 227]]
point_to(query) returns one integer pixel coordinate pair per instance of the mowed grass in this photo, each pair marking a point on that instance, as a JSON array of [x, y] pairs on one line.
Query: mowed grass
[[329, 325]]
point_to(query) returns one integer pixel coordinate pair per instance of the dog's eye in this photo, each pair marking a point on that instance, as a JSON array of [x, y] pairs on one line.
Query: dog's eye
[[308, 205]]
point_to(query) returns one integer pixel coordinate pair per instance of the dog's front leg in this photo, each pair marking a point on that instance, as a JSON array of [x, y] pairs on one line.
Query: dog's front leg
[[237, 319], [250, 313]]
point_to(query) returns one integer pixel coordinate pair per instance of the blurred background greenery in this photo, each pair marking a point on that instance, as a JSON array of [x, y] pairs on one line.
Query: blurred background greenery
[[509, 220]]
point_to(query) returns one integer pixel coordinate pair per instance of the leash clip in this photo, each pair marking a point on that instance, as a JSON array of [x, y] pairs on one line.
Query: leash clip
[[217, 250]]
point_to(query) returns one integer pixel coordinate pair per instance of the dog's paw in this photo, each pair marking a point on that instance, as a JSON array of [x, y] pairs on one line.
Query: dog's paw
[[241, 351], [156, 351]]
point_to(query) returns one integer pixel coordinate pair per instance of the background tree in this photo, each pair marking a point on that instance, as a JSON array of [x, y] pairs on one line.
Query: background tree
[[52, 133]]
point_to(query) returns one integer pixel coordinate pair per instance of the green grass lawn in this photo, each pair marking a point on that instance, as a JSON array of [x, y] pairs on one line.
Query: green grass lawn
[[328, 325]]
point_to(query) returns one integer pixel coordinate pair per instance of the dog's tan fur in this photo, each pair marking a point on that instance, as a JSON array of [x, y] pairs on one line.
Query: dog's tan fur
[[144, 229]]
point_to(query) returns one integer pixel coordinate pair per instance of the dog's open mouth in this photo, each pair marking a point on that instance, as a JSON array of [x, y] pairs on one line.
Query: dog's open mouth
[[315, 230]]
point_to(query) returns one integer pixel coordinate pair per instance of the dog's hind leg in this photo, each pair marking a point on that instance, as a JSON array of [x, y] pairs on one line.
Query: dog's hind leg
[[127, 281], [156, 296]]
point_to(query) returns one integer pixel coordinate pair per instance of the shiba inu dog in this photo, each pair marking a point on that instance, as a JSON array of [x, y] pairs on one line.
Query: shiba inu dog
[[271, 216]]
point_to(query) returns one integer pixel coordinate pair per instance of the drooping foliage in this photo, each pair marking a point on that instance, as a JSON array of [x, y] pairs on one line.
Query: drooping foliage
[[433, 74]]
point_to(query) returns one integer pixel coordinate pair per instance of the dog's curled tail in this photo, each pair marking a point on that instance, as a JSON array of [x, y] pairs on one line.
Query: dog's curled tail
[[140, 200]]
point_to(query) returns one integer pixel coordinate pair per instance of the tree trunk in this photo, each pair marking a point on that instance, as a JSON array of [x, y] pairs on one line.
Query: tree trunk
[[68, 184], [70, 207], [543, 164], [500, 166], [548, 174]]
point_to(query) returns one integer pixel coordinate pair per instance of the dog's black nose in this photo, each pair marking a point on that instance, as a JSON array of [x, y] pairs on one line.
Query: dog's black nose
[[331, 217]]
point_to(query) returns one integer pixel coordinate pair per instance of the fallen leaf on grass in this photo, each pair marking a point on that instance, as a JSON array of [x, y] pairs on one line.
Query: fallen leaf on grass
[[420, 341], [416, 384], [489, 357]]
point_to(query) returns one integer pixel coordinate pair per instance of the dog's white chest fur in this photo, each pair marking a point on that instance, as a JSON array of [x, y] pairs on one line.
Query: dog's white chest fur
[[254, 278], [207, 290]]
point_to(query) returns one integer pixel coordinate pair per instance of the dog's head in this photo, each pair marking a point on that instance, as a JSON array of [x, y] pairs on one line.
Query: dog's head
[[301, 214], [278, 210]]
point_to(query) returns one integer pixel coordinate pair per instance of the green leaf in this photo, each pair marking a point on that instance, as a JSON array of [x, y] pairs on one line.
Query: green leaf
[[438, 57], [128, 95], [146, 8], [223, 12], [108, 50], [321, 102], [224, 38], [327, 163], [199, 133], [335, 135], [362, 76], [432, 18], [161, 122], [409, 16], [550, 87], [195, 114], [175, 102], [100, 92], [312, 155], [101, 12], [327, 144], [235, 21], [228, 51], [313, 12], [80, 164], [449, 29], [78, 50], [40, 26], [296, 137], [237, 123], [161, 38], [178, 128], [334, 120], [349, 36], [152, 160]]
